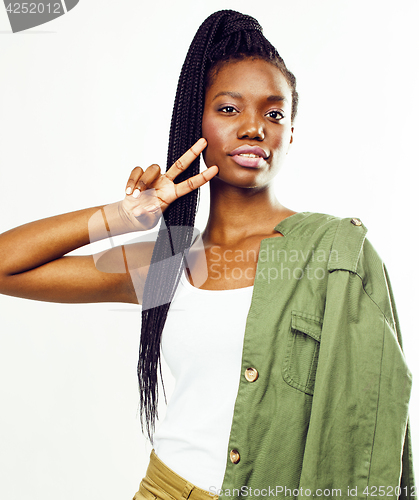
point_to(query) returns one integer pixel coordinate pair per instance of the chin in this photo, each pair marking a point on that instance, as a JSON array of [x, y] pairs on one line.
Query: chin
[[242, 182]]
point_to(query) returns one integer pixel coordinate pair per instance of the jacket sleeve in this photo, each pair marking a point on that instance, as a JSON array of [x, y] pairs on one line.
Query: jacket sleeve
[[407, 482], [358, 439]]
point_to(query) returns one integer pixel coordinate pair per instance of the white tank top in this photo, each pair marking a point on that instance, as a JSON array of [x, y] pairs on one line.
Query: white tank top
[[202, 343]]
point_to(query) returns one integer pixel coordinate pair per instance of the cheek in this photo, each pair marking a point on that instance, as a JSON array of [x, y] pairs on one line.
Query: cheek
[[212, 133], [280, 141]]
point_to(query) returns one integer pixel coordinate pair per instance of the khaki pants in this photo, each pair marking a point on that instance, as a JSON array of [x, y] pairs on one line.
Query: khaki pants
[[161, 483]]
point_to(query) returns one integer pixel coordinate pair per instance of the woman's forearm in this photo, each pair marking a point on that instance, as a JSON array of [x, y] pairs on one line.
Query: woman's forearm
[[34, 264], [32, 245]]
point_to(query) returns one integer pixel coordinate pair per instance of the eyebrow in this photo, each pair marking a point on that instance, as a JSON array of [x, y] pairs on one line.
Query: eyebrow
[[237, 95], [276, 98]]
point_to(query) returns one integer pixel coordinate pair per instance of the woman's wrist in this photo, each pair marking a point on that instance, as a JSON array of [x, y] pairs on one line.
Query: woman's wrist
[[110, 220]]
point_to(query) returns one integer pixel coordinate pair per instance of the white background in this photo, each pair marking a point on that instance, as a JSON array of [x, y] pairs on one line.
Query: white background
[[88, 96]]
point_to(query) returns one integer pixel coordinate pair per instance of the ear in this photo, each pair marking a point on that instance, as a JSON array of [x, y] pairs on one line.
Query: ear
[[291, 139]]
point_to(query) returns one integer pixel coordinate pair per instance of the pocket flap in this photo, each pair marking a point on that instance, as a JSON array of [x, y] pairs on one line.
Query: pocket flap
[[307, 323]]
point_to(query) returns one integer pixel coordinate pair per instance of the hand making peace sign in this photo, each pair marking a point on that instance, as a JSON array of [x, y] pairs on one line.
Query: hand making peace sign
[[149, 193]]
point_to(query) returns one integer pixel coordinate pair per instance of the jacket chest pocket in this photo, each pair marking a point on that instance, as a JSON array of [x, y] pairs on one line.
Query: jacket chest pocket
[[302, 351]]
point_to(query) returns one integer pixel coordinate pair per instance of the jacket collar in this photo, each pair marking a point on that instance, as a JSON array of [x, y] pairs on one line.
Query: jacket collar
[[287, 225]]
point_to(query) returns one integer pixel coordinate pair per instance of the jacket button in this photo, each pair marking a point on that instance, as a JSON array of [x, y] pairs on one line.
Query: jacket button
[[356, 222], [251, 374], [234, 456]]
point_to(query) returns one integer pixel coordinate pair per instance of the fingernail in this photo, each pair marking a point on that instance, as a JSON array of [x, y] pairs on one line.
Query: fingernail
[[128, 190], [136, 193]]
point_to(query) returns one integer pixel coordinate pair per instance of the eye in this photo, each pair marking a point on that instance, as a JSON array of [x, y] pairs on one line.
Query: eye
[[276, 115], [228, 109]]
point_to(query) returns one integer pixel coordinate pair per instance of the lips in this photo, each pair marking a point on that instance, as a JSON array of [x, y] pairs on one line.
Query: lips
[[249, 156]]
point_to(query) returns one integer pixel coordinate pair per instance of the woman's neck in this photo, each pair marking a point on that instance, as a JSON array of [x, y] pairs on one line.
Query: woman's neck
[[237, 213]]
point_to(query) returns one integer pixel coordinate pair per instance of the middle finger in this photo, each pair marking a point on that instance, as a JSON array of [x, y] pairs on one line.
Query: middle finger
[[148, 177], [186, 159]]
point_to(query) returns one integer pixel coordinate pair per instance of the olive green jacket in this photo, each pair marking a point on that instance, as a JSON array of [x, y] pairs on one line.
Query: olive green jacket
[[325, 407]]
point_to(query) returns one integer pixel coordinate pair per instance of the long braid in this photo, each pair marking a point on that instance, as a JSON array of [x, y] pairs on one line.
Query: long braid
[[223, 35]]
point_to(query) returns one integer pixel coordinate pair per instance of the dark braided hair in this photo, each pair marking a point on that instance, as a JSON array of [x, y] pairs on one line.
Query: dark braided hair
[[224, 36]]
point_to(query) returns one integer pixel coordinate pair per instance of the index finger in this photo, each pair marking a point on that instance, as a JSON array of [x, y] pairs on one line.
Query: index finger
[[186, 159]]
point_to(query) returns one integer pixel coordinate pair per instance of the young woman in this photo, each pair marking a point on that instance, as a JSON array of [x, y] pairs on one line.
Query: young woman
[[279, 327]]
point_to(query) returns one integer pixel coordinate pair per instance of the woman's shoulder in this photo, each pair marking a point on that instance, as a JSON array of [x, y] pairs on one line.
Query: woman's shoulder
[[351, 250], [348, 250], [344, 238], [302, 224]]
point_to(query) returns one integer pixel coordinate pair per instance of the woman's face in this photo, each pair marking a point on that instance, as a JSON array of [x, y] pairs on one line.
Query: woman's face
[[247, 122]]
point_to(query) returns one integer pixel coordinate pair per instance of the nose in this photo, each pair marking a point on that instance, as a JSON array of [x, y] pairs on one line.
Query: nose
[[251, 127]]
